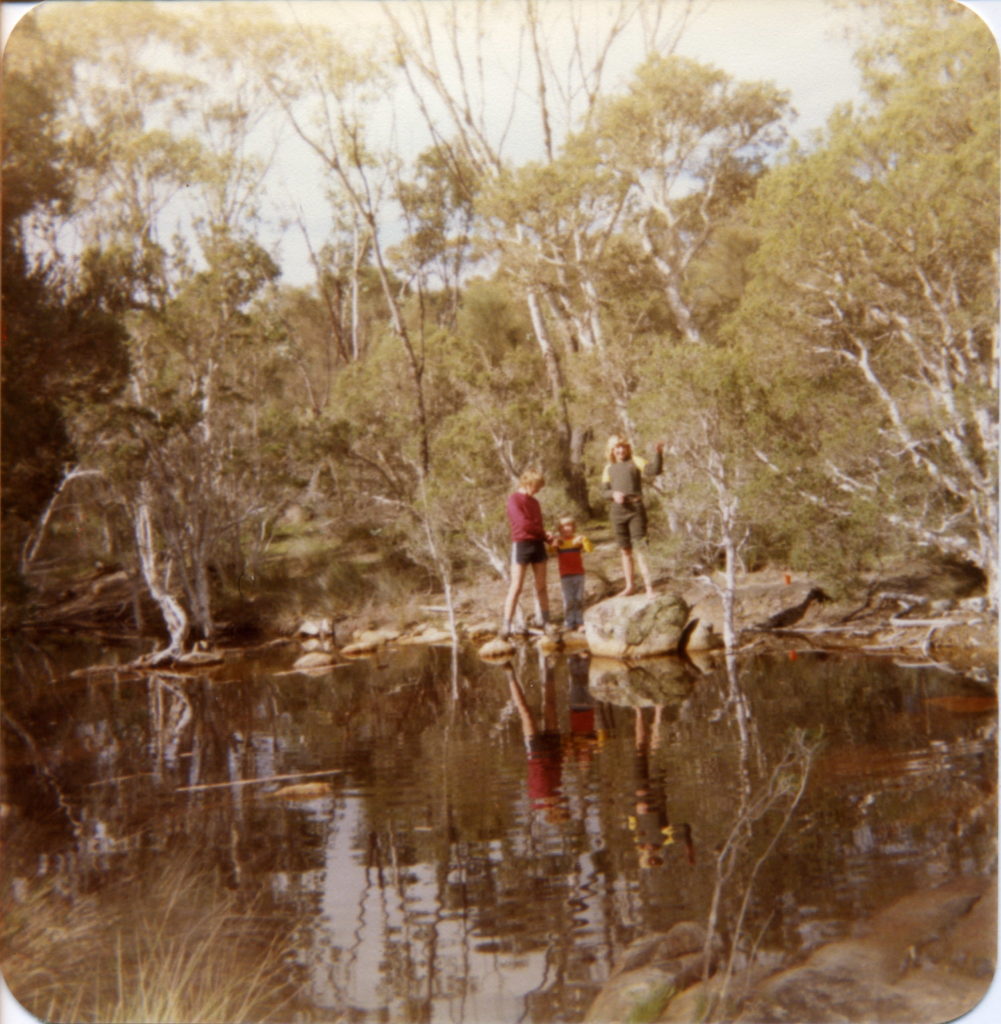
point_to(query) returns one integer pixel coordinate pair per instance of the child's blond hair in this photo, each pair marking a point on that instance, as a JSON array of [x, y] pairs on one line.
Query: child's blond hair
[[566, 519]]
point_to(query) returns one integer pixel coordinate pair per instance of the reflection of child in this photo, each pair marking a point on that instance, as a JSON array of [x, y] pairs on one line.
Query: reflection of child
[[543, 746], [584, 735], [650, 823], [569, 546], [654, 832]]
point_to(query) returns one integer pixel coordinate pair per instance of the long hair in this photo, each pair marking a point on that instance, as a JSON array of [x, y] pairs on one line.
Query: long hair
[[613, 442]]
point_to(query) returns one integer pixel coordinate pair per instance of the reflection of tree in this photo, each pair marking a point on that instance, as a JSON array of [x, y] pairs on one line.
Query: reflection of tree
[[425, 841], [752, 838]]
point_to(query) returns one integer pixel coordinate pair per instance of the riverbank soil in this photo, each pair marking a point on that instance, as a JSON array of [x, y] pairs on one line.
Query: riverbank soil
[[928, 610]]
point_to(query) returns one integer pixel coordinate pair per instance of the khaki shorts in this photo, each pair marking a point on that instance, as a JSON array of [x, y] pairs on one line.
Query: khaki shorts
[[629, 524]]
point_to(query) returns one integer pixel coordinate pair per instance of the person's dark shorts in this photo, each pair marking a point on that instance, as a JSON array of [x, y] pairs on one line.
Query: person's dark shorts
[[527, 552], [629, 524]]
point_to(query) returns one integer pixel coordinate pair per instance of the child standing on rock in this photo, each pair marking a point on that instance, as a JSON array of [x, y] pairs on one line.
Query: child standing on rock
[[529, 539], [622, 481], [569, 546]]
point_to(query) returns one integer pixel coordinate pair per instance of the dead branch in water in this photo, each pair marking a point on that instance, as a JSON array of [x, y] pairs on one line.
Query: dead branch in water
[[252, 782]]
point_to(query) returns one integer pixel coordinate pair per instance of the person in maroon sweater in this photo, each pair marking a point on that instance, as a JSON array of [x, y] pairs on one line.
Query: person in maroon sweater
[[529, 539]]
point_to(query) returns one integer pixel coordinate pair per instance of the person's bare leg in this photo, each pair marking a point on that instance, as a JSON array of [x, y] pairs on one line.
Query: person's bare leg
[[518, 696], [513, 593], [541, 593], [644, 571], [627, 571]]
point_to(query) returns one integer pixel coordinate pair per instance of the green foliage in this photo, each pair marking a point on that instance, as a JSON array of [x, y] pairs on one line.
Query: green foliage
[[875, 285], [60, 345], [812, 336]]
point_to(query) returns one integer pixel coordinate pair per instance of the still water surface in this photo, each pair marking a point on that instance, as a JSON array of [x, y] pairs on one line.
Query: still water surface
[[440, 839]]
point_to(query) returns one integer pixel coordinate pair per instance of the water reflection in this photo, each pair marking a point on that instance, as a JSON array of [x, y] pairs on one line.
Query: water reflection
[[653, 831], [440, 839]]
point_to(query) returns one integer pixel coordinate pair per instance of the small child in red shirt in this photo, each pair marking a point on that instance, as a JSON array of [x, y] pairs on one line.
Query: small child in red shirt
[[569, 546]]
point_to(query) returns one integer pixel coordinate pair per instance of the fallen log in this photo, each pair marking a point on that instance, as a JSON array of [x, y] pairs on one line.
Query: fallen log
[[255, 782]]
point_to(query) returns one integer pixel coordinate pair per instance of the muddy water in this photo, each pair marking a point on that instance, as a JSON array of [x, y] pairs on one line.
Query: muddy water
[[423, 837]]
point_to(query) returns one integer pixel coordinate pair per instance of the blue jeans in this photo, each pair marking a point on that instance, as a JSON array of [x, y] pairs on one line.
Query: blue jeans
[[573, 600]]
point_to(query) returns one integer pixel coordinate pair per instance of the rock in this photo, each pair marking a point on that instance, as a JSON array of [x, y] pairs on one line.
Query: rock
[[638, 626], [654, 682], [497, 650], [196, 658], [684, 937], [316, 627], [703, 662], [883, 975], [701, 635], [373, 638], [315, 659], [927, 957], [427, 634], [650, 972], [691, 1003], [358, 649], [638, 995], [303, 791], [575, 642]]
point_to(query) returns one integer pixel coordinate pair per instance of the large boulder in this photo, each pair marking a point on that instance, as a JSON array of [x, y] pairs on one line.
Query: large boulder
[[637, 626], [650, 972]]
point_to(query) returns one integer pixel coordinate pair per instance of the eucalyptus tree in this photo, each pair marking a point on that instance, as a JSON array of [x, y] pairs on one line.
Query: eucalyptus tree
[[685, 143], [326, 91], [436, 200], [877, 273], [165, 228], [62, 346], [560, 66]]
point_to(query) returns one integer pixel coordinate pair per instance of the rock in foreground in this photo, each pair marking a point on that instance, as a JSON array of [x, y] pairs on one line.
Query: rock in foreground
[[638, 626]]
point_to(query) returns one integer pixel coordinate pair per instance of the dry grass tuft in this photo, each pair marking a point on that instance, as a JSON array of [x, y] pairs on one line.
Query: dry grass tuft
[[183, 952]]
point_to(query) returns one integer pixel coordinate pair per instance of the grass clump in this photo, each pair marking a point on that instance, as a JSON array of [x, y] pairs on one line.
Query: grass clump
[[183, 952]]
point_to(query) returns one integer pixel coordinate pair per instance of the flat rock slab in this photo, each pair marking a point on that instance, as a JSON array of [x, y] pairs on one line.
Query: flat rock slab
[[638, 626]]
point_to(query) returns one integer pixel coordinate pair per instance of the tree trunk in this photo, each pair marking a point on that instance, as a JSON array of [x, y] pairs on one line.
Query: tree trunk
[[174, 616], [571, 470], [34, 542]]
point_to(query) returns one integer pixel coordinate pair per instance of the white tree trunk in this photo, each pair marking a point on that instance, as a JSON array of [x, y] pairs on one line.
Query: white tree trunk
[[34, 542], [174, 616]]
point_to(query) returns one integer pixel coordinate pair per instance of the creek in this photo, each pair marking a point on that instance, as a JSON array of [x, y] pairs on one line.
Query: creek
[[424, 836]]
